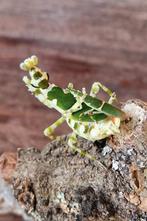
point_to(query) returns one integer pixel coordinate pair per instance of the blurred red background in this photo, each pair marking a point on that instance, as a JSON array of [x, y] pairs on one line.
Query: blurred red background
[[77, 41]]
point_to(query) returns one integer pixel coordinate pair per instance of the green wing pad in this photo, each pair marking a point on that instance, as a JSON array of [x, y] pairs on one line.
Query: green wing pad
[[107, 109], [93, 102], [90, 116], [64, 100], [111, 110]]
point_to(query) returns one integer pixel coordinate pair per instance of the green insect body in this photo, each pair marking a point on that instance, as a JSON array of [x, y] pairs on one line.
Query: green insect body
[[86, 115]]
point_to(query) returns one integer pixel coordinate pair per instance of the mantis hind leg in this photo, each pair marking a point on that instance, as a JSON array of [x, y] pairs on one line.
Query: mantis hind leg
[[72, 142], [50, 130], [95, 90]]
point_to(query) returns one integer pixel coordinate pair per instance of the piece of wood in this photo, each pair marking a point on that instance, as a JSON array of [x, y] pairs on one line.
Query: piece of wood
[[76, 41]]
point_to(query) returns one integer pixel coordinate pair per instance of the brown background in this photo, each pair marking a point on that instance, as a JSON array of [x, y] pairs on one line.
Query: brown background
[[77, 41]]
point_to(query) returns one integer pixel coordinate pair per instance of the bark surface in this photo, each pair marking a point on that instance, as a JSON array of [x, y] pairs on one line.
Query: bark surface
[[77, 41], [8, 204]]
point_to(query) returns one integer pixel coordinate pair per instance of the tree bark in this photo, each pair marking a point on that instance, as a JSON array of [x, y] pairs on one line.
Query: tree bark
[[76, 41], [57, 184], [8, 204]]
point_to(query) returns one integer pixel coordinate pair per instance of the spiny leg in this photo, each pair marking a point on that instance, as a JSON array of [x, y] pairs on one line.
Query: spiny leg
[[50, 130], [79, 100], [71, 86], [72, 142], [95, 90], [77, 106]]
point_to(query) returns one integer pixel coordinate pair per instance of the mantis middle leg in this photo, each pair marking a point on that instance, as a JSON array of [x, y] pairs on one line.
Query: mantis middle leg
[[50, 130], [97, 86], [72, 142]]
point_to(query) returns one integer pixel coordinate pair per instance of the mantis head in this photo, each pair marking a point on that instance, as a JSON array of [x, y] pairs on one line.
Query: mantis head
[[38, 79]]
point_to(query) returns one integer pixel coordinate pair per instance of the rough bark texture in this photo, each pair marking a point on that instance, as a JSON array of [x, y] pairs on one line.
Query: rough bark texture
[[56, 184], [79, 41], [8, 203]]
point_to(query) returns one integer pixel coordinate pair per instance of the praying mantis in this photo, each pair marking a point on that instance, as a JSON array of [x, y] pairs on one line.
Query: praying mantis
[[87, 116]]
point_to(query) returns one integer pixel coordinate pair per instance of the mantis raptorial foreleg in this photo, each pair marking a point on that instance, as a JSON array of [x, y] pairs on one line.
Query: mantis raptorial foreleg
[[78, 105], [50, 130], [72, 142], [97, 86]]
